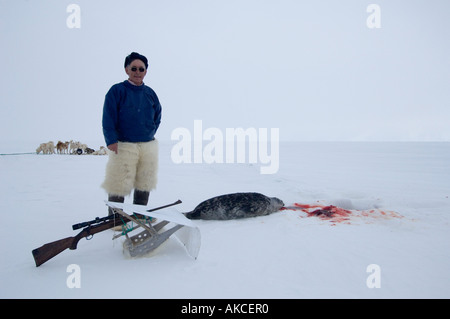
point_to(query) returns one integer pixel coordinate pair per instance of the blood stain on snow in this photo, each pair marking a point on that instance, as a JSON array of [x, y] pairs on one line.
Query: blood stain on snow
[[336, 214]]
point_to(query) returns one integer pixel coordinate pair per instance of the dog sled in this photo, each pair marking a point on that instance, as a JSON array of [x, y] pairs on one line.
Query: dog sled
[[170, 222]]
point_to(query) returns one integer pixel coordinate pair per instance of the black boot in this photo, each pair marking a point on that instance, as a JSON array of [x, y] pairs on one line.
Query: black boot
[[115, 199], [140, 197]]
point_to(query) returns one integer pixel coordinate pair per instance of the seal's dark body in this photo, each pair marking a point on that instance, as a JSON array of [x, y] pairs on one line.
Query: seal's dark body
[[235, 206]]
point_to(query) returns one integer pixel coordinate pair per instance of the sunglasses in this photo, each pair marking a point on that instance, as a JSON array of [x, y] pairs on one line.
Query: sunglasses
[[141, 69]]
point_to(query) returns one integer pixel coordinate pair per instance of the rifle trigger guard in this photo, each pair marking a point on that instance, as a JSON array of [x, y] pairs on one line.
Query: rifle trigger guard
[[89, 236]]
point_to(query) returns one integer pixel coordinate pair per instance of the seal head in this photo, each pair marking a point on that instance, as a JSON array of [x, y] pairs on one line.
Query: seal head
[[235, 206]]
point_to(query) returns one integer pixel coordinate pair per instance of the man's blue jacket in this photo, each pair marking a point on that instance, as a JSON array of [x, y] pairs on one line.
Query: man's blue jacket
[[130, 113]]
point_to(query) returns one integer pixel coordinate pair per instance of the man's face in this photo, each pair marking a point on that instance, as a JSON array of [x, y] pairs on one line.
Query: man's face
[[134, 72]]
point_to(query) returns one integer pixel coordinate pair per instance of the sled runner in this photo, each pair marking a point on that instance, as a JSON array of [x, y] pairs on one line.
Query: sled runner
[[154, 235]]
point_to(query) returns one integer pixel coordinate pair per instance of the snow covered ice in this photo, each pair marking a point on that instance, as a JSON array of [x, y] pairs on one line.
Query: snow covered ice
[[283, 255], [313, 70]]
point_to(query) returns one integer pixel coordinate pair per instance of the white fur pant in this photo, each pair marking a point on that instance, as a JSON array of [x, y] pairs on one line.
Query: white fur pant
[[135, 166]]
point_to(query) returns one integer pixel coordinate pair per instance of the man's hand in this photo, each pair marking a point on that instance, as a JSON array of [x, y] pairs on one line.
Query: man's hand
[[113, 147]]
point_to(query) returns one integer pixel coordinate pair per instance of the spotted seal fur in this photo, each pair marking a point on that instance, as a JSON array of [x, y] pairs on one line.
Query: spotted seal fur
[[235, 206]]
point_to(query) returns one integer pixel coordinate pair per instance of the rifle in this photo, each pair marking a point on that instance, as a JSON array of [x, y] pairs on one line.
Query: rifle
[[50, 250]]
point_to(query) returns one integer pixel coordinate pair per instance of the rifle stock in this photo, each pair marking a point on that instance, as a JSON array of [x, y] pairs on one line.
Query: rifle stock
[[50, 250]]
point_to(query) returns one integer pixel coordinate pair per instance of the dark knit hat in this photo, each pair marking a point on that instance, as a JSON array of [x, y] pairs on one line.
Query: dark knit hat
[[135, 56]]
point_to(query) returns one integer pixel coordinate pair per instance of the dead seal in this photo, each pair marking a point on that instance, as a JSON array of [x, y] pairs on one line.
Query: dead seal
[[235, 206]]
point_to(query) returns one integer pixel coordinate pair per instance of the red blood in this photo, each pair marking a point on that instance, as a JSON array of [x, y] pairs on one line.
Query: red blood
[[336, 214]]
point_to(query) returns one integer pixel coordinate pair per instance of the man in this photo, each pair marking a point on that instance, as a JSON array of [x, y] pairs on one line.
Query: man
[[131, 117]]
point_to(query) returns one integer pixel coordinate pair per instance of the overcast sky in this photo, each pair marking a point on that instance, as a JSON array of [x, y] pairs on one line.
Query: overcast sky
[[313, 69]]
